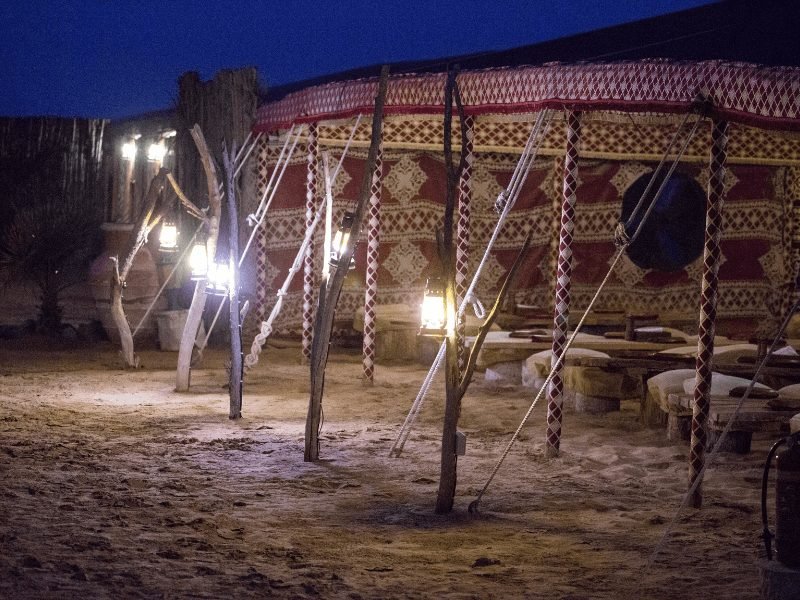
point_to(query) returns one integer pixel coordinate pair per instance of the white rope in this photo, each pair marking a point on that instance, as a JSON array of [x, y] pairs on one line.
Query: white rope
[[560, 360], [505, 201], [266, 326], [261, 212], [256, 220]]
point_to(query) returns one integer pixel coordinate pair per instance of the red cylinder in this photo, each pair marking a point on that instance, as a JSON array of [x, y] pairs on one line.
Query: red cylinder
[[787, 506]]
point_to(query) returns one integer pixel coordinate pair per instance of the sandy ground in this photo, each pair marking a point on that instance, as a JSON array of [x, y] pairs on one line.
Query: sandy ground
[[114, 485]]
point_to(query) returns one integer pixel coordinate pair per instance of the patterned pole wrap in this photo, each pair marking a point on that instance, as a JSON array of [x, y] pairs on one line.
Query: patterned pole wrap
[[308, 265], [462, 234], [555, 400], [708, 306], [371, 279], [261, 241]]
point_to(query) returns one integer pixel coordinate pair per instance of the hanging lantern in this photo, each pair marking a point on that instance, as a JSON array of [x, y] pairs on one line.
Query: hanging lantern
[[341, 240], [129, 150], [157, 151], [198, 261], [433, 316], [168, 237], [219, 279]]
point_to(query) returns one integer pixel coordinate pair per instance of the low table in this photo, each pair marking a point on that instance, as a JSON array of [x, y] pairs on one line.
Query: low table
[[754, 416]]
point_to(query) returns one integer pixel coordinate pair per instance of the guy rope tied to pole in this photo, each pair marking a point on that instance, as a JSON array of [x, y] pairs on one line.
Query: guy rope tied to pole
[[504, 203], [622, 239], [266, 326]]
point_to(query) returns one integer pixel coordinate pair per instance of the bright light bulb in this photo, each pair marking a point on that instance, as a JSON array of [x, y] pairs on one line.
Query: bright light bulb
[[157, 151], [198, 261], [168, 238], [433, 315], [129, 150]]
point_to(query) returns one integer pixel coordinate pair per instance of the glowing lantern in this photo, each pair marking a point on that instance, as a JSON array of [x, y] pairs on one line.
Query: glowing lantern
[[198, 261], [219, 279], [168, 237], [433, 316], [341, 240], [129, 150], [157, 151]]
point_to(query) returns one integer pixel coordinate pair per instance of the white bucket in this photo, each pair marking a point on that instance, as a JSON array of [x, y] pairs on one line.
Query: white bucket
[[170, 329]]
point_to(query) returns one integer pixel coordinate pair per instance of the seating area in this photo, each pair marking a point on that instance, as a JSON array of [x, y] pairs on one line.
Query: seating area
[[656, 368]]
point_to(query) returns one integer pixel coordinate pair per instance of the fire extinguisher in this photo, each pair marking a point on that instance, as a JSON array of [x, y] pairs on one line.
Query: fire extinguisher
[[787, 502]]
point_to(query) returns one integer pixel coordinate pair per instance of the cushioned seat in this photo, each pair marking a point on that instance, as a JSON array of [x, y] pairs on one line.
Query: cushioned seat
[[586, 382], [789, 398], [721, 385], [669, 382]]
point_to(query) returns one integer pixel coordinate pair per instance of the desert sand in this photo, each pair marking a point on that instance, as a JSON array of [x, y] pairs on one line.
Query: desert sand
[[114, 485]]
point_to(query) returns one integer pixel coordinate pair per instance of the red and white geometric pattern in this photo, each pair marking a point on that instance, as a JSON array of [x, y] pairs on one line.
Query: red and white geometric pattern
[[555, 399], [708, 307], [309, 279], [371, 279], [766, 97], [462, 236], [761, 216]]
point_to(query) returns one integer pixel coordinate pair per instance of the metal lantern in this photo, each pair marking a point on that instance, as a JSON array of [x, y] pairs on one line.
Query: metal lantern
[[341, 240], [433, 316], [157, 151], [168, 237], [198, 261], [218, 281], [129, 150]]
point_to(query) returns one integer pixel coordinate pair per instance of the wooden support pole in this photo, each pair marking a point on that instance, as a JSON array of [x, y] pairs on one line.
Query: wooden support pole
[[371, 276], [309, 279], [148, 219], [199, 299], [555, 397], [330, 290], [235, 380], [708, 307]]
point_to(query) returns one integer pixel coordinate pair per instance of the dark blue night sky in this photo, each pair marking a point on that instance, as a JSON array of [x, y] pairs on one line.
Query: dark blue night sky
[[116, 58]]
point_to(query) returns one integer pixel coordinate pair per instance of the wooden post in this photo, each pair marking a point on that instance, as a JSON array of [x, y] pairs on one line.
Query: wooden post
[[199, 298], [555, 399], [330, 290], [708, 308], [146, 221], [235, 380], [371, 276]]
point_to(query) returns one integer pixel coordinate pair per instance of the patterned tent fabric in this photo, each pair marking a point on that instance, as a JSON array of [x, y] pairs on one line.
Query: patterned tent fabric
[[758, 257], [630, 112], [739, 92]]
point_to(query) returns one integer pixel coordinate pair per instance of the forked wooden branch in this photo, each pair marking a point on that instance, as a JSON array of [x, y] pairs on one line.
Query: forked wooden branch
[[452, 410], [148, 219], [330, 289], [199, 297]]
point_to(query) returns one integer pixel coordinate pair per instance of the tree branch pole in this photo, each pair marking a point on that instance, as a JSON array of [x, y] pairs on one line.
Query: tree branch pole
[[449, 462], [147, 220], [199, 298], [235, 382], [332, 286]]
